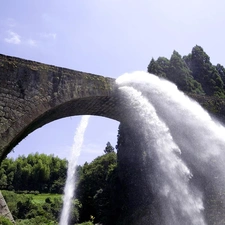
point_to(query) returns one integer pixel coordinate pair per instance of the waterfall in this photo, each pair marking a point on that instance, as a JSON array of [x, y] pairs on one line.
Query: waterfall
[[70, 180], [185, 144]]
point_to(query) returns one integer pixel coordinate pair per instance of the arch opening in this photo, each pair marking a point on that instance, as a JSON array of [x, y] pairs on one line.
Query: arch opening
[[103, 106]]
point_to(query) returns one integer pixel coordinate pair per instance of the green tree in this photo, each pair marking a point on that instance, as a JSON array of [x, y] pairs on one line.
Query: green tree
[[193, 73], [109, 148], [159, 67], [204, 72], [5, 221], [180, 74], [34, 172], [3, 178], [221, 70], [23, 207], [153, 67], [95, 187]]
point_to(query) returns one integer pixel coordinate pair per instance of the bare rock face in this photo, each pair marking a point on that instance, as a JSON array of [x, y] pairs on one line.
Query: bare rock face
[[4, 210]]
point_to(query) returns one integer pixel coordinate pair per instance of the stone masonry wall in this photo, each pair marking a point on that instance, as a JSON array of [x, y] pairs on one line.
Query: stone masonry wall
[[33, 94]]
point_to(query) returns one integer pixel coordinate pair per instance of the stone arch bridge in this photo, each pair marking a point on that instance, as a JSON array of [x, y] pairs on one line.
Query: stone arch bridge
[[33, 94]]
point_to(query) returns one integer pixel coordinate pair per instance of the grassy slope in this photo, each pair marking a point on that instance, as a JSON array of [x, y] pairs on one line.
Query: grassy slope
[[40, 198]]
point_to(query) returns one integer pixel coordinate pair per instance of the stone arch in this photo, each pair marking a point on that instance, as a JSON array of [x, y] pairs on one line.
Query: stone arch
[[33, 94]]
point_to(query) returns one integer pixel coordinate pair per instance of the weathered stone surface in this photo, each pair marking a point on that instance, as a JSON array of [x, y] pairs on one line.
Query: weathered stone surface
[[33, 94], [4, 210]]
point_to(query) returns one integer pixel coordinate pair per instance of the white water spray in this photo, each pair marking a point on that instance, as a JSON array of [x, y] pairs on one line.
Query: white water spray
[[70, 181], [184, 143]]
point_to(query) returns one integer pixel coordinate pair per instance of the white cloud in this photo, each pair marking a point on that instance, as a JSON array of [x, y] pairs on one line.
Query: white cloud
[[48, 35], [13, 38]]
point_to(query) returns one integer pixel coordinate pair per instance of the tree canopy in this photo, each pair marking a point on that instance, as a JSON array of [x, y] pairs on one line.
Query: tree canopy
[[109, 148], [96, 189], [96, 192], [36, 172], [193, 73]]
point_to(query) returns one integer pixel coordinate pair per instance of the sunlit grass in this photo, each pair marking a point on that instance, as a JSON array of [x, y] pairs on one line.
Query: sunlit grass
[[40, 198]]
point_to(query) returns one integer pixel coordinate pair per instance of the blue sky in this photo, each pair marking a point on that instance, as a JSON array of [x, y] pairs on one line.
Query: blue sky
[[105, 37]]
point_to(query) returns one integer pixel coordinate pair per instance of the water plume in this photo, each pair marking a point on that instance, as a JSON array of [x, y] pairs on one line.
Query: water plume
[[185, 145], [70, 180]]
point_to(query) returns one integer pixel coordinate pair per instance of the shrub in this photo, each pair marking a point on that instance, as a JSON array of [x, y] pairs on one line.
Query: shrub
[[85, 223], [5, 221]]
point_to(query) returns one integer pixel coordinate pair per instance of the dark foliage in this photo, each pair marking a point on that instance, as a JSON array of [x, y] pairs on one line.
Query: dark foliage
[[109, 148], [97, 189], [23, 207], [193, 73]]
